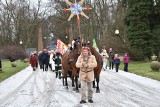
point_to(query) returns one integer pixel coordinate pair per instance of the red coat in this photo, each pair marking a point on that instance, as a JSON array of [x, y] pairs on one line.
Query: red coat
[[33, 60]]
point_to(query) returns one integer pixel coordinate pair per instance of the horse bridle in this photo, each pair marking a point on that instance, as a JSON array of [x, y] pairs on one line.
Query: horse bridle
[[78, 51], [77, 43]]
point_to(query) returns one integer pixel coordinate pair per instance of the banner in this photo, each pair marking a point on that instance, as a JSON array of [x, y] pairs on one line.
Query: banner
[[62, 47], [95, 45]]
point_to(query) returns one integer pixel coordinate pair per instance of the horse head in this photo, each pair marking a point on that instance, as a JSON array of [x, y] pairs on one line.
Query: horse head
[[78, 46]]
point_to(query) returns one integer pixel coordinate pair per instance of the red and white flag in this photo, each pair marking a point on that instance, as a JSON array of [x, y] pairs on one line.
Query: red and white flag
[[62, 47]]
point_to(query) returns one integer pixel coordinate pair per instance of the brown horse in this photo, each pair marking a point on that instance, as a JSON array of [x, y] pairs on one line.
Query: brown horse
[[98, 69], [68, 64]]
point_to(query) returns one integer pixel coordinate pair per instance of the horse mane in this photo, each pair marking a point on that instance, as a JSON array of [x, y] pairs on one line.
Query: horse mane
[[74, 53], [95, 53]]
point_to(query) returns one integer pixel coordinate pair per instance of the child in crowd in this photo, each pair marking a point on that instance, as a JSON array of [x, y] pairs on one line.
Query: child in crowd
[[117, 62], [126, 61]]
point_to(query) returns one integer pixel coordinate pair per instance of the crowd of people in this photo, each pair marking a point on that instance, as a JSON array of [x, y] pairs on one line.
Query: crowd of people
[[113, 59], [47, 60]]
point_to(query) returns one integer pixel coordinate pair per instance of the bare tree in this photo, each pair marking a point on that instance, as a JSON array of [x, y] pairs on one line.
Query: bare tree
[[20, 20]]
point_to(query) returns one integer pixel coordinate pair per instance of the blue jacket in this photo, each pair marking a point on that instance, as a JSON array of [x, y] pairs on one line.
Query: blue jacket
[[44, 56], [117, 61]]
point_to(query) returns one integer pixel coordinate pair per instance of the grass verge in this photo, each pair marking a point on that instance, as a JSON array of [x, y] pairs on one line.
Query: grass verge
[[143, 69], [9, 71]]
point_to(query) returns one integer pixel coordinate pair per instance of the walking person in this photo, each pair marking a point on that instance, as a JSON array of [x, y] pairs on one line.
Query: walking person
[[40, 59], [126, 61], [49, 64], [117, 62], [86, 62], [104, 57], [0, 66], [45, 60], [58, 64], [111, 58], [33, 61], [51, 60], [36, 55]]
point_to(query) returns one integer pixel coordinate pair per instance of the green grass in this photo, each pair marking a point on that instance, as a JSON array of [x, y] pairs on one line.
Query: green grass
[[9, 71], [143, 69]]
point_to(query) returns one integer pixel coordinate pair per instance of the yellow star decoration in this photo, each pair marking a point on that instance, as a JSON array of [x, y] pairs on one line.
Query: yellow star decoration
[[76, 9]]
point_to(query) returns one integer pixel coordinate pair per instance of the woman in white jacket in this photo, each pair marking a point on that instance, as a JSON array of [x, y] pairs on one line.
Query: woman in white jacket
[[51, 60], [104, 57]]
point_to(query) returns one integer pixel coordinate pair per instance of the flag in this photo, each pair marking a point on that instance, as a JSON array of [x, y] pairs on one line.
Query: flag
[[95, 45], [62, 47]]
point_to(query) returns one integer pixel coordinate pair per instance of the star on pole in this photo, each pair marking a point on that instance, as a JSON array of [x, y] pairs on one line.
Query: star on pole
[[76, 9]]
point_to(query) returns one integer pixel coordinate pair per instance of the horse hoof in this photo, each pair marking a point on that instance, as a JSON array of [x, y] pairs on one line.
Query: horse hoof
[[77, 91], [74, 89], [97, 91], [67, 88]]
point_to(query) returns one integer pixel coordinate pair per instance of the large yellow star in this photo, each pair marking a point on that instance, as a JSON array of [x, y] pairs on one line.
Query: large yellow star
[[76, 9]]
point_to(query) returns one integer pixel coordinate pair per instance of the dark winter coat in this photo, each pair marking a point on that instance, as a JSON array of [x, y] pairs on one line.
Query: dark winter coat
[[111, 57], [40, 58], [33, 60], [44, 57], [117, 61], [58, 59], [86, 74]]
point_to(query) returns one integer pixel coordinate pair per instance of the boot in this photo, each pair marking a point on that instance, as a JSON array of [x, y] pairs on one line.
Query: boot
[[90, 101], [56, 74], [34, 69], [59, 75], [82, 101]]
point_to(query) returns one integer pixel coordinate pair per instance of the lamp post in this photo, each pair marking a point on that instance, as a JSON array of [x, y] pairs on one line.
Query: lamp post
[[117, 33], [20, 42]]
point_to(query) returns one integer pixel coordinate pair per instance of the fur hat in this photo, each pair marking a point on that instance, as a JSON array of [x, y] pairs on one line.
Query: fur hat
[[86, 48]]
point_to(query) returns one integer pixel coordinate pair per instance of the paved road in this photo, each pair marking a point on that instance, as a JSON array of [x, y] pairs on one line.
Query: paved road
[[42, 89]]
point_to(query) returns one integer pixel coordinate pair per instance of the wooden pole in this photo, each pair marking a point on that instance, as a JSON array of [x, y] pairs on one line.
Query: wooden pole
[[79, 30]]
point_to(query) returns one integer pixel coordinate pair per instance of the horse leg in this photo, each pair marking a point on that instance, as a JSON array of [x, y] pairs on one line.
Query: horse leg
[[97, 88], [65, 78], [66, 83], [73, 81]]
